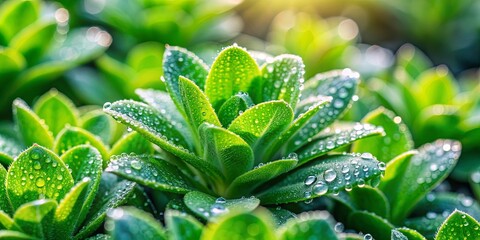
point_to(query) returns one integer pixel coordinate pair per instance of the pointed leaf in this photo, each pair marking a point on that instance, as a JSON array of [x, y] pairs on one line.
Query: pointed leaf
[[22, 13], [323, 176], [36, 217], [209, 207], [226, 150], [32, 128], [133, 142], [308, 225], [129, 223], [150, 171], [182, 226], [232, 71], [56, 110], [99, 124], [409, 179], [459, 225], [368, 222], [37, 173], [34, 40], [396, 140], [233, 107]]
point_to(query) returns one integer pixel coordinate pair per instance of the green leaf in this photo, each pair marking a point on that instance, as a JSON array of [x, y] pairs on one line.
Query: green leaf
[[281, 216], [14, 235], [5, 204], [133, 142], [32, 128], [226, 150], [70, 137], [396, 140], [12, 63], [280, 80], [341, 86], [233, 107], [410, 177], [371, 200], [261, 125], [150, 171], [99, 124], [446, 202], [56, 110], [459, 225], [410, 234], [367, 222], [100, 237], [37, 173], [232, 72], [433, 82], [6, 222], [309, 225], [22, 13], [411, 60], [67, 214], [146, 120], [34, 40], [129, 223], [248, 181], [241, 225], [36, 217], [339, 139], [182, 226], [323, 176], [209, 207]]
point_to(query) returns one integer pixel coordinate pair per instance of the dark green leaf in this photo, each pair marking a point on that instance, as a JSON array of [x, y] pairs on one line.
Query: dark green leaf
[[129, 223], [427, 226], [371, 200], [99, 124], [233, 107], [32, 128], [446, 202], [12, 63], [182, 226], [310, 225], [133, 142], [56, 110], [35, 218], [367, 222], [459, 225]]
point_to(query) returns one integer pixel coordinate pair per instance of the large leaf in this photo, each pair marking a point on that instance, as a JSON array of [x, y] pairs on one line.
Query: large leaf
[[4, 201], [182, 226], [37, 173], [36, 217], [411, 176], [22, 13], [209, 207], [310, 225], [459, 225], [226, 150], [31, 127], [56, 110], [129, 223], [323, 176], [150, 171], [232, 71], [233, 107], [261, 125]]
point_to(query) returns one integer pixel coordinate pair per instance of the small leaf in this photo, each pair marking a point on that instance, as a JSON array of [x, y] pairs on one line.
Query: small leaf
[[371, 200], [133, 142], [32, 128], [234, 107], [150, 171], [208, 207], [56, 110], [37, 173], [182, 226], [99, 124], [35, 218], [410, 234], [409, 178], [129, 223], [34, 40], [397, 138], [5, 204], [226, 150], [367, 222], [459, 225], [232, 71], [308, 225], [261, 125], [323, 176]]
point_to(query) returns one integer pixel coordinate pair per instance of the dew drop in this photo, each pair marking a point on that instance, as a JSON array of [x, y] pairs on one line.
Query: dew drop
[[320, 188], [136, 165], [339, 227], [329, 175], [37, 165], [35, 154], [368, 236], [361, 183], [310, 180], [366, 156], [40, 182], [107, 105]]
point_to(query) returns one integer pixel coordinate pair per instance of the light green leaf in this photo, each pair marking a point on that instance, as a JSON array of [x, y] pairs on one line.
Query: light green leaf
[[56, 110], [133, 142], [309, 225], [129, 223], [435, 86], [396, 140], [6, 222], [35, 218], [371, 200], [410, 177], [371, 223], [410, 234], [12, 63], [32, 128], [150, 171], [232, 72], [323, 176], [22, 13], [459, 225], [5, 204], [182, 226], [99, 124], [37, 173], [34, 40], [261, 125], [233, 107], [14, 235], [226, 150], [209, 207]]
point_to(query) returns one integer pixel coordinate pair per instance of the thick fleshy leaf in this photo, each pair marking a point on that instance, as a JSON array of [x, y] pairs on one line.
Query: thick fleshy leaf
[[182, 226], [371, 223], [232, 71], [56, 110], [410, 177], [34, 40], [226, 150], [129, 223], [233, 107], [338, 139], [70, 137], [4, 201], [371, 200], [341, 86], [406, 234], [35, 218], [150, 171], [37, 173], [99, 124], [67, 213], [133, 142], [32, 128], [396, 140], [261, 125], [146, 120], [236, 225], [22, 13], [310, 225], [324, 176], [209, 207], [459, 225], [248, 181]]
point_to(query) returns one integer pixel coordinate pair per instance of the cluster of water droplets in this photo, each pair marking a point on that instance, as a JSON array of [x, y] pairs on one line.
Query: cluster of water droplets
[[286, 72]]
